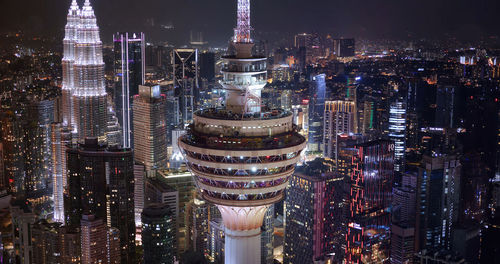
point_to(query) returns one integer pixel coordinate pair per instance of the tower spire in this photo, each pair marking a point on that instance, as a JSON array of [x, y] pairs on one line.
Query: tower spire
[[243, 27]]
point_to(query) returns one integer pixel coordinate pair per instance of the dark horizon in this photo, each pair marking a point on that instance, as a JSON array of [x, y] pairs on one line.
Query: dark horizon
[[216, 19]]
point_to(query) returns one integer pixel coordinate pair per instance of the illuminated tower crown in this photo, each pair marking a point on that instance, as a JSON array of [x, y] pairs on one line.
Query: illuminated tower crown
[[73, 22], [242, 155], [89, 94]]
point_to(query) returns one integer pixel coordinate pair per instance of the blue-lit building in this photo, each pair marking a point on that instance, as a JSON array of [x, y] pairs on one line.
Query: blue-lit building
[[317, 108]]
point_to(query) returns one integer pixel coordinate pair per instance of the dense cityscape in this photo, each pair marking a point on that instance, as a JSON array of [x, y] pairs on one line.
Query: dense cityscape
[[308, 147]]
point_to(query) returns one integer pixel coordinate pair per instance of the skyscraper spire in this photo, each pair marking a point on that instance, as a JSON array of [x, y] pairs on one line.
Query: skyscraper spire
[[89, 95], [73, 22]]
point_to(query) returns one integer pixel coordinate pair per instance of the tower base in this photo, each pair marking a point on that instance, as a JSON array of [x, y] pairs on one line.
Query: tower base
[[242, 247]]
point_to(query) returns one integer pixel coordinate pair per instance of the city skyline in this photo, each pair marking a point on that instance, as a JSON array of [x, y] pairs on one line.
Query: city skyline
[[283, 136]]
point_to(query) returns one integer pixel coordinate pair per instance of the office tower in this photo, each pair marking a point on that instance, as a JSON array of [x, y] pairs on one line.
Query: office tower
[[159, 192], [368, 218], [173, 116], [38, 175], [207, 66], [158, 234], [3, 179], [99, 242], [316, 113], [198, 225], [446, 112], [215, 247], [242, 154], [183, 182], [22, 223], [13, 144], [313, 218], [54, 244], [60, 139], [438, 190], [403, 221], [139, 196], [69, 57], [89, 93], [101, 183], [338, 120], [129, 69], [150, 128], [186, 73], [344, 47], [397, 129]]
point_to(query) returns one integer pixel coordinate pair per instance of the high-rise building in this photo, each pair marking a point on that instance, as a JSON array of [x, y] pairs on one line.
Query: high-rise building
[[198, 225], [150, 128], [98, 242], [403, 221], [207, 66], [438, 190], [313, 218], [344, 47], [397, 129], [338, 120], [101, 183], [22, 224], [60, 139], [182, 182], [129, 66], [215, 247], [185, 67], [159, 192], [158, 234], [316, 113], [69, 57], [89, 94], [54, 244], [369, 218], [242, 154]]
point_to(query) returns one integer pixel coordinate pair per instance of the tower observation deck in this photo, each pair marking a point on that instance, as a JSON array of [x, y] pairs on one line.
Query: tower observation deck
[[243, 154]]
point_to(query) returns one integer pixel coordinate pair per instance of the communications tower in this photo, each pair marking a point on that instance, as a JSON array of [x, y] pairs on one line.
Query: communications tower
[[243, 154]]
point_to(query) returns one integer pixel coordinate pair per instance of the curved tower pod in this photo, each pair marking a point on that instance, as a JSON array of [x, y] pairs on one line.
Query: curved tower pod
[[242, 155], [73, 22], [89, 95]]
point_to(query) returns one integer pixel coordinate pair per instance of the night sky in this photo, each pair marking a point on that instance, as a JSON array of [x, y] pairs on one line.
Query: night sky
[[216, 18]]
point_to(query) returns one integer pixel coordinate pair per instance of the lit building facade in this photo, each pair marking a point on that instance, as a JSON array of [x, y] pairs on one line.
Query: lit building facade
[[60, 138], [313, 214], [101, 183], [242, 155], [397, 129], [150, 128], [69, 56], [438, 190], [129, 66], [369, 218], [99, 244], [316, 113], [89, 101], [185, 67], [338, 120], [158, 234]]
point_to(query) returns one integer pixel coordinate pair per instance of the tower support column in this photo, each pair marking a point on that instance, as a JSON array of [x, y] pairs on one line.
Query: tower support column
[[242, 247]]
